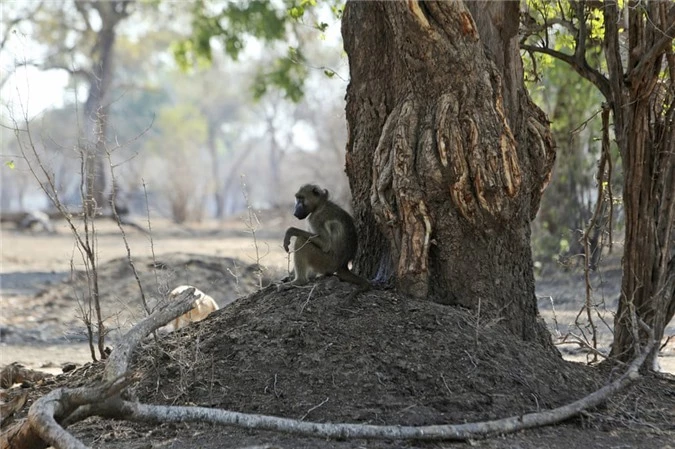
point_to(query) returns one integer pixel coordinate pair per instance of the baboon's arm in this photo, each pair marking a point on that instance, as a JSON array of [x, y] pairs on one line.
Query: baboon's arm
[[315, 239]]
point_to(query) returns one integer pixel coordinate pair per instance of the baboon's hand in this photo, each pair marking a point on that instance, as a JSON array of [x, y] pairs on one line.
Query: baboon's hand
[[287, 241]]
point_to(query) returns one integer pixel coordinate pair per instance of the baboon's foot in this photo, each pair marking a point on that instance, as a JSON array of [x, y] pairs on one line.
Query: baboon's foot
[[284, 287], [299, 283], [289, 285]]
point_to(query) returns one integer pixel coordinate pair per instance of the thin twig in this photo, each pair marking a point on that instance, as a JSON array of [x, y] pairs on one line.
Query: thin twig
[[308, 298], [313, 408], [124, 235]]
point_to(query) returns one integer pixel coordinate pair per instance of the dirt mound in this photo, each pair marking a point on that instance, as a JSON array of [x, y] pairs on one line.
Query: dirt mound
[[56, 310], [309, 353]]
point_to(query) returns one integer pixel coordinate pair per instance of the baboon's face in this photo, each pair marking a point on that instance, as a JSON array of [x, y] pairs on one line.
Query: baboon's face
[[307, 200]]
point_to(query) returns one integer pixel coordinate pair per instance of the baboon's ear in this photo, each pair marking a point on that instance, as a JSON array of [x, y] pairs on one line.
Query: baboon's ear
[[325, 192]]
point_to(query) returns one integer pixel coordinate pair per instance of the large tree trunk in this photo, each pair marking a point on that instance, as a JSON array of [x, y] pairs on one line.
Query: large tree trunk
[[211, 145], [97, 104], [96, 122], [447, 156], [642, 100]]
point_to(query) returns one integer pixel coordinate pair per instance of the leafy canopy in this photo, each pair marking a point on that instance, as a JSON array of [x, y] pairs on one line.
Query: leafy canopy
[[234, 25]]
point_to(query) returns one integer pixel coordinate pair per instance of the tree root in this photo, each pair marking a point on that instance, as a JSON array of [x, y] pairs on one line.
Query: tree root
[[49, 415], [450, 432], [43, 426], [8, 408]]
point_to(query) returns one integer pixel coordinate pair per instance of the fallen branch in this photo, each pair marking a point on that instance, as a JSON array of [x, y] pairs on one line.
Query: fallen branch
[[46, 417], [69, 405], [7, 409], [458, 432], [118, 362], [60, 403]]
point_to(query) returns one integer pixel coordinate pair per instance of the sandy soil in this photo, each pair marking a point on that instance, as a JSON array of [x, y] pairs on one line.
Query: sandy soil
[[33, 262], [307, 352], [33, 265]]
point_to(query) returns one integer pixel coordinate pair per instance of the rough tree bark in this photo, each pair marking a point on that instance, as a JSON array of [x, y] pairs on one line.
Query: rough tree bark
[[639, 85], [642, 98], [447, 156]]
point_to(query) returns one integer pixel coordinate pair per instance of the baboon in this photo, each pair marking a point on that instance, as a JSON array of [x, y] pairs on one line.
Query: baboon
[[330, 245], [202, 307]]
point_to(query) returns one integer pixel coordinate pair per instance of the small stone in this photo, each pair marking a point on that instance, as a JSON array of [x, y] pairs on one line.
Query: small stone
[[68, 366]]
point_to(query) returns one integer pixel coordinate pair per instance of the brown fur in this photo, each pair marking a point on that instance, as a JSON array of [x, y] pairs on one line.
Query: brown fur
[[332, 242], [203, 306]]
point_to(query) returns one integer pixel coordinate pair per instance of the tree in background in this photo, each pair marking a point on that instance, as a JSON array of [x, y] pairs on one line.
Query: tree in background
[[80, 38], [15, 18], [145, 81], [568, 204], [96, 26], [626, 51], [181, 132]]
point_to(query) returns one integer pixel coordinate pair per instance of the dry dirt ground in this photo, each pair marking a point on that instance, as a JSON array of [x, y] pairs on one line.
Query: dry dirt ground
[[309, 353]]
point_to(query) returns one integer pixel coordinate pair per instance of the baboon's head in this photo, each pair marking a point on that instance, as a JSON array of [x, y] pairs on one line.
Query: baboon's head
[[308, 199]]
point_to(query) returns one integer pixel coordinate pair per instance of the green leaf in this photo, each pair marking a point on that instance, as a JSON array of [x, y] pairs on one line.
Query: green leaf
[[10, 165], [296, 12], [287, 74]]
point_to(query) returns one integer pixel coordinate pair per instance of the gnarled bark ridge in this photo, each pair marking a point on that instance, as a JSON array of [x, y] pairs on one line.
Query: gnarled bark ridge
[[447, 156]]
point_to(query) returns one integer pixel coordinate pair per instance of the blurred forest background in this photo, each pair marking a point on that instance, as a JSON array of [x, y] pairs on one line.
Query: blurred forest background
[[210, 105]]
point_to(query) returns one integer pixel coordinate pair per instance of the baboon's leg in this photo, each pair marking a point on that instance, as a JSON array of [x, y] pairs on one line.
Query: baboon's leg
[[346, 275], [308, 257]]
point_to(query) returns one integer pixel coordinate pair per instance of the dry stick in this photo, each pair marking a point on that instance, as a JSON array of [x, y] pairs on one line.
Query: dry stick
[[610, 193], [459, 432], [309, 296], [120, 358], [313, 408], [64, 401], [90, 256], [576, 339], [594, 219], [86, 313], [70, 405], [89, 205], [85, 247], [555, 317], [152, 242], [124, 235], [252, 229]]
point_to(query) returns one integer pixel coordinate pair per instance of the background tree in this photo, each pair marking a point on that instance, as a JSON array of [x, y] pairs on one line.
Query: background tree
[[179, 155], [83, 35], [13, 18], [627, 53], [146, 81], [447, 156], [568, 204]]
